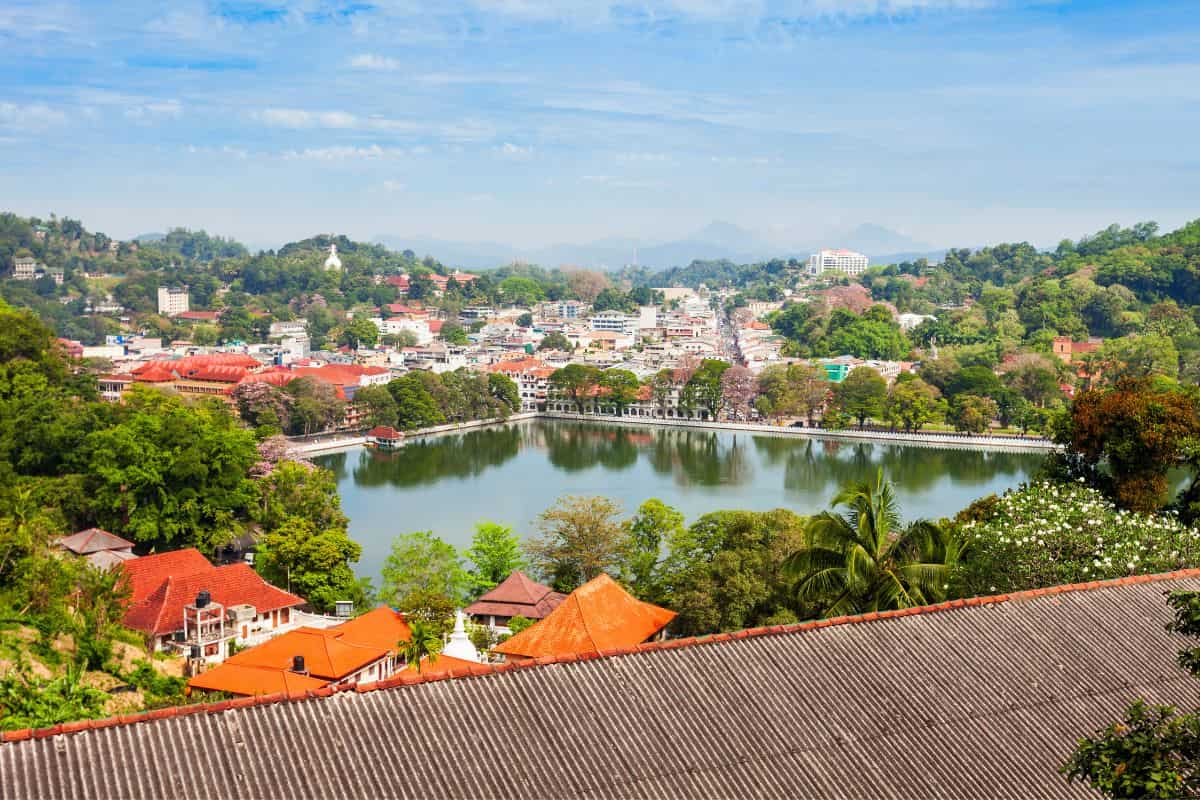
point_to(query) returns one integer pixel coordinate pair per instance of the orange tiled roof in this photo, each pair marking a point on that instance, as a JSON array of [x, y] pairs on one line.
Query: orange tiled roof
[[237, 679], [330, 655], [597, 616], [440, 665]]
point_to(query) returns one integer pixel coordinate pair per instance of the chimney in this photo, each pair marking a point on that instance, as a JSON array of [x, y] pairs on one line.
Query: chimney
[[298, 665]]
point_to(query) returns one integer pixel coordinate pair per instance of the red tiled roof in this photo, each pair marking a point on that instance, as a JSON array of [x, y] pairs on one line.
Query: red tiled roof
[[206, 316], [218, 373], [161, 589], [280, 376], [597, 616], [435, 326], [93, 540], [154, 372], [336, 374], [441, 665], [384, 432], [147, 573]]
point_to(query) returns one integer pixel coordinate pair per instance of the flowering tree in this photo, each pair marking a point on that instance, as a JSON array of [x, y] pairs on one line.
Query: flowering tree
[[738, 390], [1045, 534]]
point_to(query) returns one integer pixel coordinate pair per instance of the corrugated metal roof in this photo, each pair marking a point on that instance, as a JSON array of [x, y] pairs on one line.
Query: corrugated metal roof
[[977, 699]]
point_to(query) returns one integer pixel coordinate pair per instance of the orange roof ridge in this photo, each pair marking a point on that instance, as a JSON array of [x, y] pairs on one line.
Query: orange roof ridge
[[480, 670]]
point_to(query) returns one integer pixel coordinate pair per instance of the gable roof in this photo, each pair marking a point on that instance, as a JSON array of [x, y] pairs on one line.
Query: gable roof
[[597, 616], [518, 594], [93, 540], [330, 654], [978, 698], [162, 584]]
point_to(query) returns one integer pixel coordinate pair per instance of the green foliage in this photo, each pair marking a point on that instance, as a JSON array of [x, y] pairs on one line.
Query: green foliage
[[422, 562], [555, 341], [360, 332], [378, 406], [312, 562], [424, 644], [519, 623], [416, 406], [722, 573], [576, 382], [865, 560], [170, 475], [495, 553], [652, 527], [1046, 534], [578, 538], [158, 690], [861, 394], [913, 405], [29, 702]]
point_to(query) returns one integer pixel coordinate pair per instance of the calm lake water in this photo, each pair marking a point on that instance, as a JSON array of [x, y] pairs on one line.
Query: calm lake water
[[510, 474]]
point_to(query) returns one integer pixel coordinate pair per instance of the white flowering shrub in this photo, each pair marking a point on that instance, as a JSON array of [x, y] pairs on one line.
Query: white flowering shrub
[[1046, 533]]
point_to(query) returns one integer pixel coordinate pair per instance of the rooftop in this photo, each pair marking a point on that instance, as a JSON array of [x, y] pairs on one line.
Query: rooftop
[[517, 595], [597, 616], [979, 698], [93, 540]]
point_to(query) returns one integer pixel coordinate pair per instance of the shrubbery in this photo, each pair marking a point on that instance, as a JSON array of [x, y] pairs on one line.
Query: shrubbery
[[1045, 534]]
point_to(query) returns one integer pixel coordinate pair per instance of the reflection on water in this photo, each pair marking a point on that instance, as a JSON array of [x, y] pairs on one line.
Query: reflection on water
[[511, 473]]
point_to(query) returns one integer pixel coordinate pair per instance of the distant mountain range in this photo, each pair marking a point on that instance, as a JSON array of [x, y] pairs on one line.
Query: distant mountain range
[[716, 240]]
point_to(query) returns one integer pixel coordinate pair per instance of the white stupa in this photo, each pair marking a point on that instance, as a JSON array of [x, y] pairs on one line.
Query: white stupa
[[460, 645], [333, 262]]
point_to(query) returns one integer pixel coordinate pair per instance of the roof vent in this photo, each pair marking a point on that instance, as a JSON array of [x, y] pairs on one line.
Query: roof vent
[[298, 665]]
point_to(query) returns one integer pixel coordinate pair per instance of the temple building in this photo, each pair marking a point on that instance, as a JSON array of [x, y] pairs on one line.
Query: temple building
[[515, 596], [333, 262]]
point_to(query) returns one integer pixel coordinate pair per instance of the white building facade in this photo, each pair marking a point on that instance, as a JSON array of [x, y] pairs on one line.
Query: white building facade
[[172, 300], [847, 262]]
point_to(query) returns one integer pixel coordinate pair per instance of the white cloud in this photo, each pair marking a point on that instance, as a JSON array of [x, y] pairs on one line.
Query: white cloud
[[37, 116], [238, 153], [299, 118], [515, 152], [372, 61], [393, 186], [346, 153], [155, 110]]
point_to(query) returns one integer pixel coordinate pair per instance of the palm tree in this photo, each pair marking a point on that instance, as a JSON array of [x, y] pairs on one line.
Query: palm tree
[[864, 560], [423, 642]]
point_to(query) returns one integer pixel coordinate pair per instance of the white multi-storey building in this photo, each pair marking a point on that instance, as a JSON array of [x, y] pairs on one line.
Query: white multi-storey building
[[844, 261], [24, 268], [172, 300], [615, 321]]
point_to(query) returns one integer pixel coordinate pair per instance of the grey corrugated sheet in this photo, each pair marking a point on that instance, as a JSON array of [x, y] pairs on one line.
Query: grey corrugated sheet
[[980, 702]]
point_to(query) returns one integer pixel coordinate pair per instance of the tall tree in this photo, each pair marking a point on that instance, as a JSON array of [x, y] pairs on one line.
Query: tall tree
[[861, 394], [495, 553], [654, 525], [579, 538], [423, 644], [865, 560], [739, 387], [576, 382], [421, 562], [914, 404]]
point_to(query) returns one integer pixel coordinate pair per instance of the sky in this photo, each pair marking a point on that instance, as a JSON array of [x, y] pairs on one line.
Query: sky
[[527, 122]]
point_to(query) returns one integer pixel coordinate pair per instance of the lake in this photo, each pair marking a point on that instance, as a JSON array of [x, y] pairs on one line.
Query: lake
[[511, 473]]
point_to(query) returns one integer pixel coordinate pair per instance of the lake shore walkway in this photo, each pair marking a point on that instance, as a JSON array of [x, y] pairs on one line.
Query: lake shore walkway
[[933, 438], [333, 442]]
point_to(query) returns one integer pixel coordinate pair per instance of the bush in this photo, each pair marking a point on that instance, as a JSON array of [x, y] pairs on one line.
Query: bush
[[1045, 534]]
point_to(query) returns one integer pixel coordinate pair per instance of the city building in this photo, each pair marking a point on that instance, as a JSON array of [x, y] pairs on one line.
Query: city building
[[287, 328], [615, 321], [847, 262], [172, 300], [24, 268]]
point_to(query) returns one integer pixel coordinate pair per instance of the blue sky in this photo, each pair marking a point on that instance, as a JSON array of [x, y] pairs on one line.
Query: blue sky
[[956, 122]]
